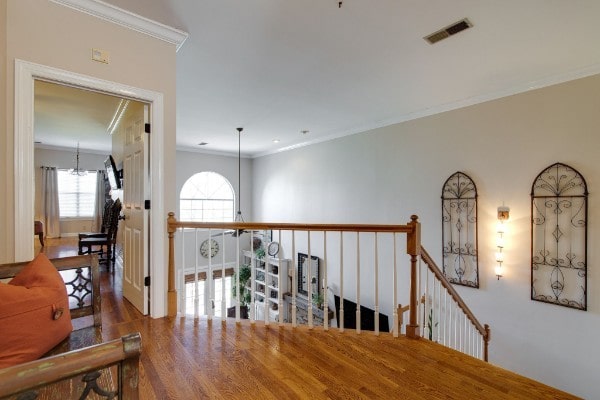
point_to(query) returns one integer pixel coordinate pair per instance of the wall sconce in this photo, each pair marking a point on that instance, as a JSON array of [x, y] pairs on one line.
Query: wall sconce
[[503, 214]]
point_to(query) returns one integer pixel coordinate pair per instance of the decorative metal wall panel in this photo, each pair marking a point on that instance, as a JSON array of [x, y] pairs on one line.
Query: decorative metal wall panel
[[559, 237], [459, 230]]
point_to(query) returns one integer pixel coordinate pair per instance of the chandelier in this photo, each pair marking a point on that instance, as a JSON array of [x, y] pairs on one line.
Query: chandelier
[[76, 170]]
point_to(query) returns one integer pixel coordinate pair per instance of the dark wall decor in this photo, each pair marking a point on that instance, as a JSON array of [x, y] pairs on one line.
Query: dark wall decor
[[306, 277], [559, 237], [459, 230]]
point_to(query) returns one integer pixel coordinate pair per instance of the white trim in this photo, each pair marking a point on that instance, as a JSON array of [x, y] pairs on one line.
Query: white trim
[[127, 19], [25, 74], [520, 88]]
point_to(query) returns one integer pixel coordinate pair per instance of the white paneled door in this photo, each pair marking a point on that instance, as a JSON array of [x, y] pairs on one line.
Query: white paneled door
[[135, 192]]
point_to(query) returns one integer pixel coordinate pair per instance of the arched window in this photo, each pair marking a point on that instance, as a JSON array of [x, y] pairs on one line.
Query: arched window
[[207, 197], [559, 237], [459, 230]]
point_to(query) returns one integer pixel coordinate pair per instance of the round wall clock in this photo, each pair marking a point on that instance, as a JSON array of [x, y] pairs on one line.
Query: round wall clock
[[273, 249], [206, 247]]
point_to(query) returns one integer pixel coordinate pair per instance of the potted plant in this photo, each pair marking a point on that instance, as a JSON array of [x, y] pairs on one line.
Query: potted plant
[[245, 294], [317, 299]]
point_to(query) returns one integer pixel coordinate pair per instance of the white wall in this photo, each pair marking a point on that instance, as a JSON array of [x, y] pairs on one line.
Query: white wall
[[385, 175]]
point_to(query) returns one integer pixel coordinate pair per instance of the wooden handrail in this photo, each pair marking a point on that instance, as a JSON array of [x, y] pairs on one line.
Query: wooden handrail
[[174, 224], [484, 330], [31, 375]]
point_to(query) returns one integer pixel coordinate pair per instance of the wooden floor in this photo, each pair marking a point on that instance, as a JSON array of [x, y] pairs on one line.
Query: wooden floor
[[183, 358]]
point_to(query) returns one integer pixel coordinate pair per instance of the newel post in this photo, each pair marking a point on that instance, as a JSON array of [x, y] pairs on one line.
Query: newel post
[[172, 293], [413, 247]]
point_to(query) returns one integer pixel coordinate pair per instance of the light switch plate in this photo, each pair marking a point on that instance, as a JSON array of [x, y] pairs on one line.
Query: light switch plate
[[100, 55]]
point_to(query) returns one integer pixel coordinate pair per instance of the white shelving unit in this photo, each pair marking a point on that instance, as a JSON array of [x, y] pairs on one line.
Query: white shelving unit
[[270, 283]]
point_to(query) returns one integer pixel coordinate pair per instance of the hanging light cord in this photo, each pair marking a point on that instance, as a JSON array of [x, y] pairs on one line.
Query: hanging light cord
[[239, 217]]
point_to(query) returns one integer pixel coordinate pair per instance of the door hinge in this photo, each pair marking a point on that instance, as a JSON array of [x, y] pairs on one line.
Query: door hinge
[[146, 204], [147, 128], [147, 281]]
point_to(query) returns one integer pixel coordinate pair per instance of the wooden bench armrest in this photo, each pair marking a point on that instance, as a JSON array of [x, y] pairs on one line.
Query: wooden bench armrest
[[123, 352]]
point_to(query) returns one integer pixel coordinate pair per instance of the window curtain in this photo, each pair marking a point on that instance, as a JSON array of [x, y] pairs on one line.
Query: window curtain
[[99, 203], [50, 212]]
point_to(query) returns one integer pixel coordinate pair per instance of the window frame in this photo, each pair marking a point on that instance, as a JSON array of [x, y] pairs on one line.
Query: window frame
[[206, 200], [60, 178]]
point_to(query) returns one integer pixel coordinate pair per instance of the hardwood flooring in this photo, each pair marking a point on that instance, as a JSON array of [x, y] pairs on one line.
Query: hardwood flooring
[[183, 358]]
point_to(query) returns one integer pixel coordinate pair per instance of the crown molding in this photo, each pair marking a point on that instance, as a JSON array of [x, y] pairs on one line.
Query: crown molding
[[127, 19]]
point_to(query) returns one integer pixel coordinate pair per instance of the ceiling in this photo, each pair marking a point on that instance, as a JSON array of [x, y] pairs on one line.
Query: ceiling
[[66, 116], [281, 67]]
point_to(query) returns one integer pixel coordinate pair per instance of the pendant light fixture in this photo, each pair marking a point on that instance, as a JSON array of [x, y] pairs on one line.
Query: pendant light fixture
[[238, 215], [76, 170]]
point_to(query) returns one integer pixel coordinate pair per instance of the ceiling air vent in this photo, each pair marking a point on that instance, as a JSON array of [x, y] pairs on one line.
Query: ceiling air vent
[[448, 31]]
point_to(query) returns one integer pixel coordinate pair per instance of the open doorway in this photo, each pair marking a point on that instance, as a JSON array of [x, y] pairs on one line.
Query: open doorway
[[77, 133], [25, 76]]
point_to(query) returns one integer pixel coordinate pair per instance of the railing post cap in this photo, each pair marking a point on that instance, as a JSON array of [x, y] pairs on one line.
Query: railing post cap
[[414, 218]]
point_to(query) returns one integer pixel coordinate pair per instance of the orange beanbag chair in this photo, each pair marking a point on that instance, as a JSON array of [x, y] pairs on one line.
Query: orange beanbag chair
[[34, 313]]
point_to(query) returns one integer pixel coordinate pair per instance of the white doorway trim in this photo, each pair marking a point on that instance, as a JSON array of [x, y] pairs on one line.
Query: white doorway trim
[[24, 187]]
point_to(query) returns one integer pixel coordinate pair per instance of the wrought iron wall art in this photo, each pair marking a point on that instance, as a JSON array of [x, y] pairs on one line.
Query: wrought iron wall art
[[459, 230], [559, 237]]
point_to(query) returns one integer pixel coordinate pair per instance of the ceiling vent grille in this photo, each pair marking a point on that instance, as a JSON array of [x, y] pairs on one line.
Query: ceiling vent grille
[[448, 31]]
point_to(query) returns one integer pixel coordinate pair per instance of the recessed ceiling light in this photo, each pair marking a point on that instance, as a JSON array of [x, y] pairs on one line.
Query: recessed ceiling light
[[202, 143], [275, 140]]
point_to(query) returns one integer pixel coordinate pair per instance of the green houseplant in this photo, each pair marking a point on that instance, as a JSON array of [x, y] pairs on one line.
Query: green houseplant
[[245, 295]]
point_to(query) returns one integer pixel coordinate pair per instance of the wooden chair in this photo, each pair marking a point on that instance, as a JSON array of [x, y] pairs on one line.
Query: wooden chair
[[104, 227], [87, 244]]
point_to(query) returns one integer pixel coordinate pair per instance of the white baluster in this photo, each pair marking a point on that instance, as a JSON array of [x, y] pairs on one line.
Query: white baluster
[[183, 301], [325, 285], [445, 322], [309, 284], [425, 303], [294, 280], [376, 286], [341, 316], [209, 281], [438, 307], [267, 297], [395, 288], [279, 281], [252, 280], [237, 278], [358, 324], [223, 295], [196, 298]]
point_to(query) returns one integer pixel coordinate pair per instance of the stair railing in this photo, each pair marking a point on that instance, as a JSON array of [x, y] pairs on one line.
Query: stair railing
[[362, 259], [445, 316]]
